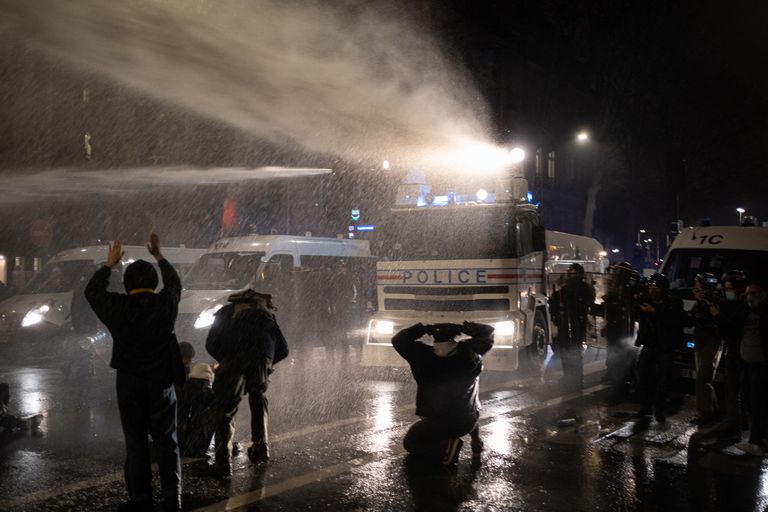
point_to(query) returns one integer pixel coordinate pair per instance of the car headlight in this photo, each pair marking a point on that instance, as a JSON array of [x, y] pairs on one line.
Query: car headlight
[[506, 328], [384, 327], [206, 318], [35, 316]]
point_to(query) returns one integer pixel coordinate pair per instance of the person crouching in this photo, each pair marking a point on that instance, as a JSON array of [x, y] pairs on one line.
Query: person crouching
[[447, 375]]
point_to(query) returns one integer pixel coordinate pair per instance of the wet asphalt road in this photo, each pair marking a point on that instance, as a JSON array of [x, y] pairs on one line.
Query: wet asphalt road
[[336, 432]]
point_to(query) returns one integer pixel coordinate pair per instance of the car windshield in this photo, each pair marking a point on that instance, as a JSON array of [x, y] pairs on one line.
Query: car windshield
[[449, 234], [60, 276], [223, 271], [682, 265]]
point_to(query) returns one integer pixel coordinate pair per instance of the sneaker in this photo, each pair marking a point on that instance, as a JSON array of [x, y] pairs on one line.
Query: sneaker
[[258, 453], [751, 448], [451, 450]]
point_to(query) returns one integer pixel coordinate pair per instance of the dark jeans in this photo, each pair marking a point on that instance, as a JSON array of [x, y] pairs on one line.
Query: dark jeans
[[147, 408], [758, 387], [238, 374], [653, 369], [425, 437]]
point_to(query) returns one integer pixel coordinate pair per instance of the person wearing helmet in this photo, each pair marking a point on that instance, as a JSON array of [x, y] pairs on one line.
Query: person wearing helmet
[[448, 378], [661, 319], [619, 313], [707, 340], [569, 307]]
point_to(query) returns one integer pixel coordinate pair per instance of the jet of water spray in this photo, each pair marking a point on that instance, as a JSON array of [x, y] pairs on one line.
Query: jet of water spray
[[347, 78]]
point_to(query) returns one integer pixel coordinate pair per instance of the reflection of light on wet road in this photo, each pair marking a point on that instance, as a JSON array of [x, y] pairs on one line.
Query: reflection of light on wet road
[[383, 409], [497, 437], [29, 398]]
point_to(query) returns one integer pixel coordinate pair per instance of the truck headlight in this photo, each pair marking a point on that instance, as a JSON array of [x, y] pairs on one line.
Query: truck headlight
[[35, 316], [384, 327], [205, 319], [506, 328]]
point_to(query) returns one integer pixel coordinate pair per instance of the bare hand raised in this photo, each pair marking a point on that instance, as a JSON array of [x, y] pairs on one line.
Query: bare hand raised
[[115, 253], [153, 246]]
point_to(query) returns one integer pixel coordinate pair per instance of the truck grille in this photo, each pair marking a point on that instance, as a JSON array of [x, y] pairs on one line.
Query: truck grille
[[446, 305], [446, 290]]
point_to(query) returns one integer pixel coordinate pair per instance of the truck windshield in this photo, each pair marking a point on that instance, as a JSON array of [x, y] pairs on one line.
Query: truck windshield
[[60, 276], [682, 265], [449, 234], [223, 271]]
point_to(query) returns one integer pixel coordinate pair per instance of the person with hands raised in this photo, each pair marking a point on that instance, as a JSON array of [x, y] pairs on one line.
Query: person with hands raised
[[146, 355]]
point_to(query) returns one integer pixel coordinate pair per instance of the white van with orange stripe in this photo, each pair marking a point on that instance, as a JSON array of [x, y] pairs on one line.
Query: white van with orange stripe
[[480, 261]]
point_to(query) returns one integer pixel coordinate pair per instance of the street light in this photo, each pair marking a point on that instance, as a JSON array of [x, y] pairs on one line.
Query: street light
[[517, 155], [741, 214], [582, 137], [385, 165]]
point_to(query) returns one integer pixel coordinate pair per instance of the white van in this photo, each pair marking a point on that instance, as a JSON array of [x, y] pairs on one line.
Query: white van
[[317, 283], [43, 308], [715, 249]]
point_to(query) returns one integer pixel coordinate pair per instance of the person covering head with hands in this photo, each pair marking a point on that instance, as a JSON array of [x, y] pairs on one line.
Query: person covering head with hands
[[146, 355], [447, 398]]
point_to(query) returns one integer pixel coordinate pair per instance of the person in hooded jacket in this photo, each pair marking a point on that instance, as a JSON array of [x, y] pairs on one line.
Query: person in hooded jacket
[[246, 341], [146, 355], [448, 379]]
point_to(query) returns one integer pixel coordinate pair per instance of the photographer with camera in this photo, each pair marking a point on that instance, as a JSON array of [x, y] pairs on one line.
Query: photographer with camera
[[707, 339], [447, 374]]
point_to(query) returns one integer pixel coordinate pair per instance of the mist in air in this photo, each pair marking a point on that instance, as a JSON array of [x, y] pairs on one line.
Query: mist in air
[[358, 81]]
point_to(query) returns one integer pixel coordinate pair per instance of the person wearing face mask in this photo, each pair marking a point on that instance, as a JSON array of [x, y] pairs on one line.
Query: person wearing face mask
[[447, 375], [569, 307], [661, 319], [730, 314], [754, 352], [707, 337]]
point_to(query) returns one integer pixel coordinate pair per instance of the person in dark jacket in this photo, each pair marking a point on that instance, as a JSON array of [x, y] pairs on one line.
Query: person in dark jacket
[[146, 356], [569, 307], [246, 341], [754, 351], [661, 319], [447, 375], [618, 309], [730, 316], [707, 338]]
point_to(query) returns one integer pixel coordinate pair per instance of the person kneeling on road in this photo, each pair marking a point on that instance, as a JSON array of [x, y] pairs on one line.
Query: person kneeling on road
[[447, 375]]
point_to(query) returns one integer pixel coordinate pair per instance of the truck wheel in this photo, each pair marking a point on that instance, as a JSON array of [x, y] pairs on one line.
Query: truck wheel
[[536, 353]]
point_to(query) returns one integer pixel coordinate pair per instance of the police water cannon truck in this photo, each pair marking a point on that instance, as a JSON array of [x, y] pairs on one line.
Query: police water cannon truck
[[481, 256]]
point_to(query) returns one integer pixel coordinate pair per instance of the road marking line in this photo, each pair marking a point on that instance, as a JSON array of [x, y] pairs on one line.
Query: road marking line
[[267, 491]]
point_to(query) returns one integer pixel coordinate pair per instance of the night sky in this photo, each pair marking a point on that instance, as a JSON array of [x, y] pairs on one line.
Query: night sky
[[673, 94]]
